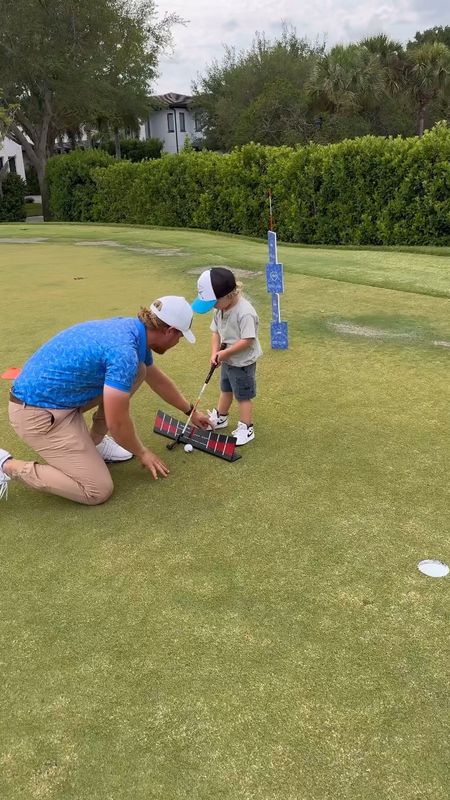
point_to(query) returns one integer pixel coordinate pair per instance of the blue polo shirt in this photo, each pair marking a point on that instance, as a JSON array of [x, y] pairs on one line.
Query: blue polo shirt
[[74, 366]]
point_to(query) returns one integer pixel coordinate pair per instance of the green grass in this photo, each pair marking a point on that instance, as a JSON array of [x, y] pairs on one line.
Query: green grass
[[33, 209], [254, 631]]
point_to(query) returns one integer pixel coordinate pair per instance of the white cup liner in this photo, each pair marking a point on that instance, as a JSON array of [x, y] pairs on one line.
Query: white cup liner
[[433, 568]]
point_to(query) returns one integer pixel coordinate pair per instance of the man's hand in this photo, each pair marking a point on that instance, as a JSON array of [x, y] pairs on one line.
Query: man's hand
[[154, 464], [200, 420]]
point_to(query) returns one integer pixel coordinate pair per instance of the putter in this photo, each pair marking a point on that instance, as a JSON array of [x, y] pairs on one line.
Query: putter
[[194, 407]]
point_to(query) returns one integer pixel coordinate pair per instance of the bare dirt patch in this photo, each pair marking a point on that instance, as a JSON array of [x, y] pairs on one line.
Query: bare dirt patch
[[18, 240], [366, 331], [152, 251], [240, 273]]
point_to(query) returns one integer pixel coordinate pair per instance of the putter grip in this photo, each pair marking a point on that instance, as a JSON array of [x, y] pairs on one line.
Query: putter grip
[[214, 366]]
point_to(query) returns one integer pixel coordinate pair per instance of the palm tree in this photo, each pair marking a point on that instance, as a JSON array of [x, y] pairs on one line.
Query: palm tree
[[391, 57], [347, 79], [427, 76]]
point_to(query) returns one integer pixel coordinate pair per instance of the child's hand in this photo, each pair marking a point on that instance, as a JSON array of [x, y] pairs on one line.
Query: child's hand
[[215, 358], [220, 357]]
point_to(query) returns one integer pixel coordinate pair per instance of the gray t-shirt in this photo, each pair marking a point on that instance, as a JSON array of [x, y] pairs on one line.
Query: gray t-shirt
[[239, 322]]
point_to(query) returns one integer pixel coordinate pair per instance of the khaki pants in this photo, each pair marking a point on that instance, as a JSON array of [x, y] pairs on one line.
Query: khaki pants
[[74, 468]]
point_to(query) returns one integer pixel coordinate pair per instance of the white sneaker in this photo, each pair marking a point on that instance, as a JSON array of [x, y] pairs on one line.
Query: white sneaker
[[244, 433], [217, 420], [4, 478], [110, 451]]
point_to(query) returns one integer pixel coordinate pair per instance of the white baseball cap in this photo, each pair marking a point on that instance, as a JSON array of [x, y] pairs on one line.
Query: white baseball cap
[[177, 313]]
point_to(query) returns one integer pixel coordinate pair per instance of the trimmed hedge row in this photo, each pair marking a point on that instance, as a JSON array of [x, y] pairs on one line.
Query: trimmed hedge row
[[369, 190], [135, 149], [12, 203], [71, 183]]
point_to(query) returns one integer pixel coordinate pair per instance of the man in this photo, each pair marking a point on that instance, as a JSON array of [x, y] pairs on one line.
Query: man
[[99, 365]]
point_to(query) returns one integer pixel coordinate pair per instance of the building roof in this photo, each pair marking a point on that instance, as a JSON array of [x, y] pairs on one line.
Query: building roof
[[173, 100]]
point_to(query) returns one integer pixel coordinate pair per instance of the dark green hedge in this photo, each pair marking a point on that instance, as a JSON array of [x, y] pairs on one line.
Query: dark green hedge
[[136, 149], [71, 183], [12, 204], [32, 181], [369, 190]]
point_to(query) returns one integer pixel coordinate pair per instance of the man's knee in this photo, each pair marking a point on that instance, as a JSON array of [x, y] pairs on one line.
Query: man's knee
[[99, 493]]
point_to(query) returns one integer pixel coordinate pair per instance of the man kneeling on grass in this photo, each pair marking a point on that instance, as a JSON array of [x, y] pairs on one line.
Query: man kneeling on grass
[[97, 365]]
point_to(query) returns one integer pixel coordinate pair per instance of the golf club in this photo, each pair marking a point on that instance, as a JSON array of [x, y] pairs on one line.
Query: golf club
[[194, 407]]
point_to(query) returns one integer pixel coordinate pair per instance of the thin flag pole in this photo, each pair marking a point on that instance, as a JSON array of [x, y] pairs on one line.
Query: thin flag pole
[[270, 210]]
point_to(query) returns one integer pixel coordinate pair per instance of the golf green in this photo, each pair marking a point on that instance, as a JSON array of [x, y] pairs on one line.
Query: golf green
[[248, 631]]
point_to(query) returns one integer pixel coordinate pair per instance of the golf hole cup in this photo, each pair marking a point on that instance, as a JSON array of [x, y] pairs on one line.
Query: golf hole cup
[[433, 568], [188, 448]]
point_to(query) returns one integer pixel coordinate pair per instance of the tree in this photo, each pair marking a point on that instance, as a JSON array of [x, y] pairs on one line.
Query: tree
[[427, 77], [437, 34], [346, 89], [391, 59], [70, 63], [258, 94], [6, 118], [393, 112], [347, 79], [380, 82]]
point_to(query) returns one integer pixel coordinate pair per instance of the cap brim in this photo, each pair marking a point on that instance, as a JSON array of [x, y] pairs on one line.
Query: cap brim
[[189, 336], [202, 306]]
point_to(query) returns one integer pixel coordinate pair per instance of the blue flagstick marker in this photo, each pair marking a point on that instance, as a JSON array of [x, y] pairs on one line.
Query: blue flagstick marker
[[275, 287], [275, 307]]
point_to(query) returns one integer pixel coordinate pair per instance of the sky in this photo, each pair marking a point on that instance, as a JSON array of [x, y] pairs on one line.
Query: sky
[[211, 24]]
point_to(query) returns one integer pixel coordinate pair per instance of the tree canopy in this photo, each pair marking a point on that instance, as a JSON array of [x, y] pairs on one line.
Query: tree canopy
[[291, 91], [261, 90], [66, 64]]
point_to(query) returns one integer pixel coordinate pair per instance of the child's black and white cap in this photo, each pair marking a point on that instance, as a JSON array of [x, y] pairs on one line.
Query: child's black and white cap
[[213, 284]]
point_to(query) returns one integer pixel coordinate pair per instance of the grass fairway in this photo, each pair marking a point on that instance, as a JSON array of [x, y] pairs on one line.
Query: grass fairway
[[247, 631]]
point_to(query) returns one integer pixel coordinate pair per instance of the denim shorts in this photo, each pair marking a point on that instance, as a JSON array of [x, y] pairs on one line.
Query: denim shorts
[[239, 380]]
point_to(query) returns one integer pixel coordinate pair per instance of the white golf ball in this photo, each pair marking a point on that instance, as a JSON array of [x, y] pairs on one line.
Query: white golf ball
[[188, 448]]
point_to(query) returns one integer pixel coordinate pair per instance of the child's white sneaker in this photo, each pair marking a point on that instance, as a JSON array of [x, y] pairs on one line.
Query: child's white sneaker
[[244, 433], [217, 420], [4, 478], [110, 451]]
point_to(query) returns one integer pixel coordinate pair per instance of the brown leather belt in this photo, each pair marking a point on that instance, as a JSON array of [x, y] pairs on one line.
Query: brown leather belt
[[13, 399]]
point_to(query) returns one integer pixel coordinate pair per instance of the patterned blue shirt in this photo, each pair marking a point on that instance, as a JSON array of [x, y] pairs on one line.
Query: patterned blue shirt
[[74, 366]]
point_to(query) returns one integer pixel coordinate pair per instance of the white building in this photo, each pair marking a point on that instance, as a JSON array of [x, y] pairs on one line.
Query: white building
[[173, 121], [12, 153]]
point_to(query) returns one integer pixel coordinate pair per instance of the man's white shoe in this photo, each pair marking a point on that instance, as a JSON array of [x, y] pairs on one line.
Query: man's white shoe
[[4, 478], [110, 451], [243, 433], [217, 420]]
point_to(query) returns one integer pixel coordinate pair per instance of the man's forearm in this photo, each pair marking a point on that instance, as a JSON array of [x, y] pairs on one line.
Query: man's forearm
[[124, 433], [168, 391]]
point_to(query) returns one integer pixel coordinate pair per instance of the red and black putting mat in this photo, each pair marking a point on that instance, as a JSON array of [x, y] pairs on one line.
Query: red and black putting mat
[[215, 444]]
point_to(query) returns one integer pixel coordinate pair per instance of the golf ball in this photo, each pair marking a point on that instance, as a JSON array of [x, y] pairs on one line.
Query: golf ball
[[188, 448]]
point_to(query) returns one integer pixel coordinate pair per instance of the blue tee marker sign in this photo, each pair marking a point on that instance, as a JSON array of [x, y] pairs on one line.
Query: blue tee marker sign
[[274, 278], [275, 287]]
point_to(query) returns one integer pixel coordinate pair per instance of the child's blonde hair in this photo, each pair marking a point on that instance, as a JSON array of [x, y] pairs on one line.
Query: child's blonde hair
[[236, 291]]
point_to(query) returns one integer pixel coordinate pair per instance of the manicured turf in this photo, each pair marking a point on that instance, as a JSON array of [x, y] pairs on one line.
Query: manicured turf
[[33, 209], [258, 630]]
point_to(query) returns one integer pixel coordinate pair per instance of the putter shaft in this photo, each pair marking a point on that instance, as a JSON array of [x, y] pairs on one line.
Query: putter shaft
[[194, 407]]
